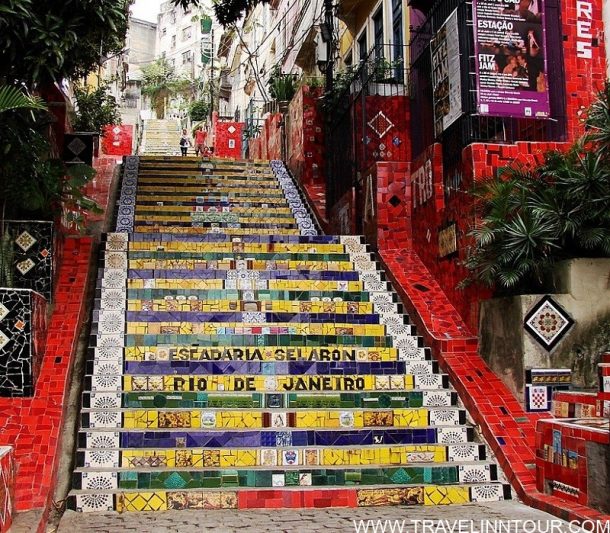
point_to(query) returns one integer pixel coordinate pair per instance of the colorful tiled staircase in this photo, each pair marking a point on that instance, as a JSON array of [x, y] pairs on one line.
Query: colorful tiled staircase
[[161, 137], [238, 359]]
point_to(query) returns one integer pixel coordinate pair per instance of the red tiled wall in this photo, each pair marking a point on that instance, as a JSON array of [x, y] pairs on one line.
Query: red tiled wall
[[386, 133], [584, 76], [117, 140], [273, 136], [305, 134], [562, 457], [7, 487], [223, 136]]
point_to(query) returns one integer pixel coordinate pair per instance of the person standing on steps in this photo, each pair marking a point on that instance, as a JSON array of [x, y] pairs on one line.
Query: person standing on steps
[[200, 138], [185, 142]]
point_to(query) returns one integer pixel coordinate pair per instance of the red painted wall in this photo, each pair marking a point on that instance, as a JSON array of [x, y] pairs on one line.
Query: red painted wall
[[227, 139], [117, 140]]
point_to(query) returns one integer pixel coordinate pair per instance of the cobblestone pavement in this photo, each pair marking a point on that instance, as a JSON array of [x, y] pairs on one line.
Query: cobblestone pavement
[[411, 519]]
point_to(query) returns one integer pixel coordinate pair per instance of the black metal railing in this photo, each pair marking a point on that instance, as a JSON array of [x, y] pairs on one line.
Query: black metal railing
[[471, 126], [360, 118]]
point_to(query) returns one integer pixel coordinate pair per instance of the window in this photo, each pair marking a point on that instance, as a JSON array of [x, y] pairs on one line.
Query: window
[[164, 31], [378, 33], [362, 46], [186, 33], [186, 57], [397, 38], [172, 17], [173, 44], [172, 62]]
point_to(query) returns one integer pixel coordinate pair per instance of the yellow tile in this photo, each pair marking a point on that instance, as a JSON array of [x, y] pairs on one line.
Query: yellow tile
[[438, 495]]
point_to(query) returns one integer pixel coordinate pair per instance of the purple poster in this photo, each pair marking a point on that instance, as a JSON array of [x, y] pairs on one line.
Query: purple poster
[[510, 58]]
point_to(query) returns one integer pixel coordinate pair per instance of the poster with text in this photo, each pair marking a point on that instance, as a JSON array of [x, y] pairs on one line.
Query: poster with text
[[510, 58], [446, 72]]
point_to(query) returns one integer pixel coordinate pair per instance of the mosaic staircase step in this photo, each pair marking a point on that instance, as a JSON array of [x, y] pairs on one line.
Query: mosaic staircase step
[[280, 368], [237, 358], [212, 418], [294, 496], [270, 438], [279, 353], [233, 476], [256, 400], [107, 377], [226, 457], [181, 230], [180, 179]]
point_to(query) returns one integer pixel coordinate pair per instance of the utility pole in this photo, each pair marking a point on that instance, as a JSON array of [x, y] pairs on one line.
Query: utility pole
[[212, 78], [328, 21]]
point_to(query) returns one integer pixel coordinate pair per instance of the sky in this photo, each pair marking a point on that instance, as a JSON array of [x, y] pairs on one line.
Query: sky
[[146, 9]]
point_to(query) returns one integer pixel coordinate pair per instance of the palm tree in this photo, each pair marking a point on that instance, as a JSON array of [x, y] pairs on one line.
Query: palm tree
[[12, 98], [528, 219]]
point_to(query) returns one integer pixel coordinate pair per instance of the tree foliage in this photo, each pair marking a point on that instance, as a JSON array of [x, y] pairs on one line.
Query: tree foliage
[[199, 110], [95, 108], [160, 82], [530, 218], [44, 41], [32, 184], [226, 11]]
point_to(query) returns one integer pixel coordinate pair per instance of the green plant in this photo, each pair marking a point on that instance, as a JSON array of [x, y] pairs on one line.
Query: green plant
[[94, 109], [342, 82], [282, 87], [251, 131], [199, 109], [383, 70], [159, 83], [12, 98], [529, 219]]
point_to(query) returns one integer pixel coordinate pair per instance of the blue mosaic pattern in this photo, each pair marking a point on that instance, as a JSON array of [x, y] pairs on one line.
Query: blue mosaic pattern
[[127, 201], [291, 192]]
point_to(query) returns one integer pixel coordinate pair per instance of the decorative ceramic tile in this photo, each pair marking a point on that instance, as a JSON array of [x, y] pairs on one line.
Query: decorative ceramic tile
[[22, 334], [487, 493], [35, 255], [538, 398], [7, 486], [127, 200], [474, 473], [25, 241], [95, 502], [548, 322]]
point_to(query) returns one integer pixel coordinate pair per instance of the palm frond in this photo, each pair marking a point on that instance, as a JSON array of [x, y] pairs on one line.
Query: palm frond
[[12, 98]]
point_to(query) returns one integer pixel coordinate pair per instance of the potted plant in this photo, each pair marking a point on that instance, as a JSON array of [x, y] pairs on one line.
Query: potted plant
[[282, 88], [95, 109]]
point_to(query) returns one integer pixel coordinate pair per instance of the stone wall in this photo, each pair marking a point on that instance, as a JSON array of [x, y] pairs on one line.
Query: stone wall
[[583, 291]]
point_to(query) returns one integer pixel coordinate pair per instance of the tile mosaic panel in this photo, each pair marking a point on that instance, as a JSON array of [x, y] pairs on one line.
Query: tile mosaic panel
[[541, 383], [22, 335], [36, 248], [301, 214], [127, 200], [7, 486], [548, 322]]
